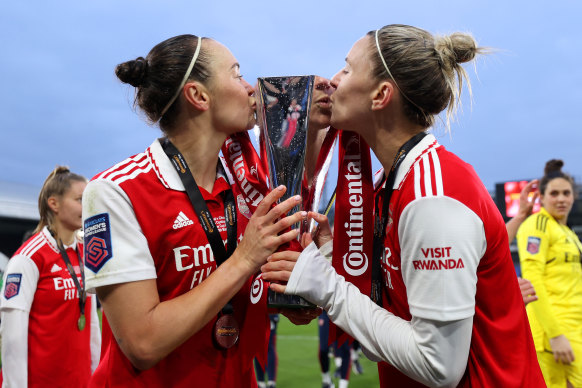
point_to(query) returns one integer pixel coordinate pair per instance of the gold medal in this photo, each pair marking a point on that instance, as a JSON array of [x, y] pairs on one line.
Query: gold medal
[[226, 331], [81, 322]]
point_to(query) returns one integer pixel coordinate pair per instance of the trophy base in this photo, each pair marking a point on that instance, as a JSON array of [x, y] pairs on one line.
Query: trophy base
[[276, 299]]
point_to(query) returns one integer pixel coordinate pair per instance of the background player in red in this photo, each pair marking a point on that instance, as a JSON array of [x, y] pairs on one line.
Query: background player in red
[[152, 256], [444, 261], [50, 339]]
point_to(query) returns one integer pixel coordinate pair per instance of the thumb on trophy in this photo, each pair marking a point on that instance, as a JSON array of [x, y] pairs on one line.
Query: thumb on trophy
[[323, 233]]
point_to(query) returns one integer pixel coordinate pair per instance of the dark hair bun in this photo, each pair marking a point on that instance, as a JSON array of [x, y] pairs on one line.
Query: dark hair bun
[[132, 72], [553, 166]]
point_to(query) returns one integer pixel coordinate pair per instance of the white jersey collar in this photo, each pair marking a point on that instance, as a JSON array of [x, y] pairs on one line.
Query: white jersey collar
[[429, 141], [166, 171], [53, 243]]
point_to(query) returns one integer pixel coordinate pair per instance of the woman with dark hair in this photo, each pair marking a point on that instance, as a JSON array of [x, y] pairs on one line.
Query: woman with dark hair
[[446, 308], [50, 330], [164, 230], [549, 252]]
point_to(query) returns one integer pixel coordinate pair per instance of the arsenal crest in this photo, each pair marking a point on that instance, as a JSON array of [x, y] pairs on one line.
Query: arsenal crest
[[533, 244]]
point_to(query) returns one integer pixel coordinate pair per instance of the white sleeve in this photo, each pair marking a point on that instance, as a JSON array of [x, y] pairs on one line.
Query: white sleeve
[[434, 353], [116, 250], [95, 334], [14, 347], [20, 281], [442, 242]]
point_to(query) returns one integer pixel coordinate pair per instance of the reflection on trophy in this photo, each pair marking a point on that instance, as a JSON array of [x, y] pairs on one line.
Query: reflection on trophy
[[283, 105]]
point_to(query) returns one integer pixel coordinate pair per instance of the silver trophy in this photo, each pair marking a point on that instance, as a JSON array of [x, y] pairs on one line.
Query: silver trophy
[[283, 105]]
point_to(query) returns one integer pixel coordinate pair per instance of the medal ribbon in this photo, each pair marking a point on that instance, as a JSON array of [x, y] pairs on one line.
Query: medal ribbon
[[80, 287], [221, 254], [199, 204], [380, 221]]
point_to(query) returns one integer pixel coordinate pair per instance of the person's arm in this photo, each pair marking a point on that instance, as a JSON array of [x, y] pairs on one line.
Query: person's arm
[[14, 347], [95, 334], [525, 208], [433, 348], [432, 352], [15, 310], [165, 325], [533, 246]]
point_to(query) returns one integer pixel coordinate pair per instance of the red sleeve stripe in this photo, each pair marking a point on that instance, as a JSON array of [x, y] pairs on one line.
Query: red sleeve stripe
[[137, 161], [132, 173], [107, 174], [33, 245], [428, 180]]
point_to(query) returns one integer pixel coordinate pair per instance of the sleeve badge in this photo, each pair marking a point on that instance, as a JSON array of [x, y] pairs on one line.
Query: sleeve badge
[[533, 244], [12, 287]]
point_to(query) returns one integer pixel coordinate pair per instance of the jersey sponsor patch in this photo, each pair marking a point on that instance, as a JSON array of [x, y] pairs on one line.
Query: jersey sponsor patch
[[533, 244], [97, 239], [12, 287]]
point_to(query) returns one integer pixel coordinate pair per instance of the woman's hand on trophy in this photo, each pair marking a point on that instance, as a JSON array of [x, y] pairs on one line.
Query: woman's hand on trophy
[[268, 229], [278, 269], [301, 316], [322, 233]]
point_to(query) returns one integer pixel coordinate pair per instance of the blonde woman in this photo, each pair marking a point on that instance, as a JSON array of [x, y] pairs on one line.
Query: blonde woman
[[51, 335], [449, 308]]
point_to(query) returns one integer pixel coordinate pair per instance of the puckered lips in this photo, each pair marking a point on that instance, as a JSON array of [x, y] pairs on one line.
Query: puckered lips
[[324, 102]]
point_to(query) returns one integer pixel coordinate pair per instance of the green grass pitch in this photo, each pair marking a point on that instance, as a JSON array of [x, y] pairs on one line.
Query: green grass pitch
[[297, 348]]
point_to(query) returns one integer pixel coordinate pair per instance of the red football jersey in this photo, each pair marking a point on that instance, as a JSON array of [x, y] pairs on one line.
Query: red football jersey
[[447, 258], [37, 281], [140, 224]]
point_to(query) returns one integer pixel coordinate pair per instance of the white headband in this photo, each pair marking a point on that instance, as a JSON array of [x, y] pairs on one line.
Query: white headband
[[390, 74], [192, 62]]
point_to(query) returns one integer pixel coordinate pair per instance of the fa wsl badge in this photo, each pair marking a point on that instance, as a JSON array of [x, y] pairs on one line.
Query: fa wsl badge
[[12, 287]]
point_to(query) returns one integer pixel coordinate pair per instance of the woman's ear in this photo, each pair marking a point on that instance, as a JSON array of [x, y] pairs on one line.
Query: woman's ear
[[53, 204], [197, 95], [382, 95]]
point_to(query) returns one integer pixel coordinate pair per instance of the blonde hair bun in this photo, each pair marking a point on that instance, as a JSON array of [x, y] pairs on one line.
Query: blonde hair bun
[[455, 48]]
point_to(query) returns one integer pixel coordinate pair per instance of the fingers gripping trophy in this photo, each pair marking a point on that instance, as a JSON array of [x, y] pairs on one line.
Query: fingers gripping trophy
[[283, 106]]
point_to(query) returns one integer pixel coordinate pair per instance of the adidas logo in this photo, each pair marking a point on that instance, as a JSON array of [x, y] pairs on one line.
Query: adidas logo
[[182, 221], [55, 268]]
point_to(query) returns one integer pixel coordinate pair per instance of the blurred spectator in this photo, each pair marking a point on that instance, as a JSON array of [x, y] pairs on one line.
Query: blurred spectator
[[272, 360], [526, 205], [355, 356], [340, 354]]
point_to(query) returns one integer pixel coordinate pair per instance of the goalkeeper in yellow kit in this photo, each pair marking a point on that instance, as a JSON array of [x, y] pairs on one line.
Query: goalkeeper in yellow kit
[[549, 253]]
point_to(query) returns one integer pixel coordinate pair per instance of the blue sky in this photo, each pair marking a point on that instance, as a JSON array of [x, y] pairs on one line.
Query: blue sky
[[60, 102]]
